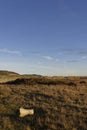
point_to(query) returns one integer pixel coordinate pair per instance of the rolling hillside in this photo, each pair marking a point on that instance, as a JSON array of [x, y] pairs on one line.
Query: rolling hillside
[[60, 103]]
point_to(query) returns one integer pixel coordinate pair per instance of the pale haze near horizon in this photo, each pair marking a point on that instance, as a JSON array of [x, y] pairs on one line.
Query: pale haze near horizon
[[44, 37]]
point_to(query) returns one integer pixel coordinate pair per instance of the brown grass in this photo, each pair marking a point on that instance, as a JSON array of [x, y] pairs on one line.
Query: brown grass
[[59, 103]]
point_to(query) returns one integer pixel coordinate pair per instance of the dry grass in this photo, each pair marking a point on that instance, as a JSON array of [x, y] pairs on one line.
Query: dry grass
[[8, 76], [59, 103]]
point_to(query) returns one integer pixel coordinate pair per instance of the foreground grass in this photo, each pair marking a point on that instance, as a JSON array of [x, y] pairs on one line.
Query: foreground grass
[[59, 103]]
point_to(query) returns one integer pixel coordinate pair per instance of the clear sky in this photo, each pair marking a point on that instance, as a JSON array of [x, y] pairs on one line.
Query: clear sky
[[46, 37]]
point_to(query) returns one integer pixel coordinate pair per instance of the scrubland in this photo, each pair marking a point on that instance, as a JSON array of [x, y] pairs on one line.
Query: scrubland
[[60, 103]]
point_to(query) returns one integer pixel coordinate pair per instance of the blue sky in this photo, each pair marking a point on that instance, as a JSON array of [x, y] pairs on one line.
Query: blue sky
[[47, 37]]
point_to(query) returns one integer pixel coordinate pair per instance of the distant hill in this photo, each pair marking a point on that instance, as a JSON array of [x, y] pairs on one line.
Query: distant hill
[[5, 72], [31, 75], [8, 75]]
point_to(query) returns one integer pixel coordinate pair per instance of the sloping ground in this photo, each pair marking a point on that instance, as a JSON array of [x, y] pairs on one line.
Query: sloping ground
[[42, 80], [4, 72], [57, 106], [36, 80], [8, 75]]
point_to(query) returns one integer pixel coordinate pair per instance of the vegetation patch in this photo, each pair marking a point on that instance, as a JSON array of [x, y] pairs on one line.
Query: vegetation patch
[[59, 103]]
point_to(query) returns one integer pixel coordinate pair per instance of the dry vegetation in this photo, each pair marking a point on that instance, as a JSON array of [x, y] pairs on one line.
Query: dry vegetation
[[60, 103]]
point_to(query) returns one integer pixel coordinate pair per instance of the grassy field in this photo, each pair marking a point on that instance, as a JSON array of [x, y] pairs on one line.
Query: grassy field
[[60, 103]]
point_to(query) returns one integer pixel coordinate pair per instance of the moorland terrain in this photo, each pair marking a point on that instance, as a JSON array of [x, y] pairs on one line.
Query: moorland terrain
[[60, 103]]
